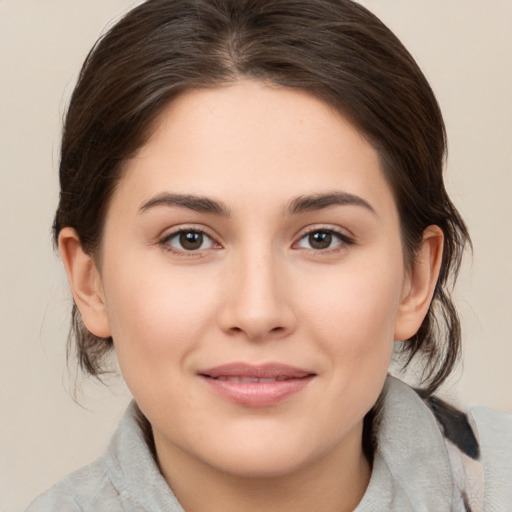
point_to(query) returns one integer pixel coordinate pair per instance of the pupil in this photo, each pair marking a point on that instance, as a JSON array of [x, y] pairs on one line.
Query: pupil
[[320, 240], [191, 240]]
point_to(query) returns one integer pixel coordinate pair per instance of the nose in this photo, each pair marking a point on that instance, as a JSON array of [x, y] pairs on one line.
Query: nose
[[257, 302]]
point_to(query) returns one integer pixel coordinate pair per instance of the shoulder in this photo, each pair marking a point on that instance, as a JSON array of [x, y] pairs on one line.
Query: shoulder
[[494, 427], [126, 477], [439, 454], [483, 441], [87, 489], [494, 432], [92, 488]]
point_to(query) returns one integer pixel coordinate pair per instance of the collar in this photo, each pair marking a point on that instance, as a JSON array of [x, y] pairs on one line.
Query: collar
[[411, 470]]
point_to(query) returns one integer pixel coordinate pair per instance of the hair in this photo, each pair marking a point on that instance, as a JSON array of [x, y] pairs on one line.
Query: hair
[[334, 49]]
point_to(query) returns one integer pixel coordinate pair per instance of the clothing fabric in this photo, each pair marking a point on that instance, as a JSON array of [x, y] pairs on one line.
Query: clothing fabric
[[415, 468]]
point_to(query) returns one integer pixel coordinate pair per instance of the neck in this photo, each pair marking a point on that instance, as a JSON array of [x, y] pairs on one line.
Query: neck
[[336, 482]]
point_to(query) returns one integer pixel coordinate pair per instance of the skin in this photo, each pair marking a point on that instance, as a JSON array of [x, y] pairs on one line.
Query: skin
[[256, 291]]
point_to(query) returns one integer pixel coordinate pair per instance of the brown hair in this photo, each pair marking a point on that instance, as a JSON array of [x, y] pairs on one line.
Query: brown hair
[[334, 49]]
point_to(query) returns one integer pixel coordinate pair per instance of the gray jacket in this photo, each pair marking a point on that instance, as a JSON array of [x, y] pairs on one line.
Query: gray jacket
[[415, 468]]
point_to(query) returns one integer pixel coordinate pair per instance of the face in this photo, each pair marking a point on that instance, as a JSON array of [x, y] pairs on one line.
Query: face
[[252, 274]]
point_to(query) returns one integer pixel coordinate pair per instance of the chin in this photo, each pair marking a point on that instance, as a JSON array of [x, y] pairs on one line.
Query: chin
[[264, 455], [262, 466]]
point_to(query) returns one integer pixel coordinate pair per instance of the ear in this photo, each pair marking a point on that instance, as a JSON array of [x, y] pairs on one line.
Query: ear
[[85, 282], [420, 284]]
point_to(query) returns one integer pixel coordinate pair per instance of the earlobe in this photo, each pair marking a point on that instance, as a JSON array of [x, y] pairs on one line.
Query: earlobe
[[420, 285], [85, 282]]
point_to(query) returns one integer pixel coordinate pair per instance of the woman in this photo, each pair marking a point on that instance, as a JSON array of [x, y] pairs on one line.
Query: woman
[[252, 212]]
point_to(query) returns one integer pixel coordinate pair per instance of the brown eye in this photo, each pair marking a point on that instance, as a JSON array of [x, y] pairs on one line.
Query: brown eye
[[189, 241], [320, 240], [323, 240]]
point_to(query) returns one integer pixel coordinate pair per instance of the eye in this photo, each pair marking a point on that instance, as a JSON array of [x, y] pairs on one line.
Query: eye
[[188, 240], [323, 239]]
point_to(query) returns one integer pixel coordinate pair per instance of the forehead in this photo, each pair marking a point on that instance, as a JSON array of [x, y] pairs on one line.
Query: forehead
[[252, 139]]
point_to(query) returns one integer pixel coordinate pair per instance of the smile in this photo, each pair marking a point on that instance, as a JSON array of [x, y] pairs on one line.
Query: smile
[[256, 386], [252, 379]]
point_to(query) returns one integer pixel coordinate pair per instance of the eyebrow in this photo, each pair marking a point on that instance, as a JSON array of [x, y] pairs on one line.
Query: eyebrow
[[298, 205], [192, 202], [303, 204]]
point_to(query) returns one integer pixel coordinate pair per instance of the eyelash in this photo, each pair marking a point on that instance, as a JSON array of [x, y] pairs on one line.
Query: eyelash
[[165, 242], [344, 240]]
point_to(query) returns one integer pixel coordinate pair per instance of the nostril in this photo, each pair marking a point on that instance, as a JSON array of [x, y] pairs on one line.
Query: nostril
[[256, 316]]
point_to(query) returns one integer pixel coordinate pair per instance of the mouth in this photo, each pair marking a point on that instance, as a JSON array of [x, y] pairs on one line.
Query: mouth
[[256, 385], [249, 379]]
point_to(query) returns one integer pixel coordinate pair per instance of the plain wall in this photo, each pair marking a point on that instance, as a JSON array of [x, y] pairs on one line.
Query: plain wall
[[464, 48]]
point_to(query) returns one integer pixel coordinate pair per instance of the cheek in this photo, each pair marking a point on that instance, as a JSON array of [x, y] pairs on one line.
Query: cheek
[[359, 302], [352, 317], [157, 317]]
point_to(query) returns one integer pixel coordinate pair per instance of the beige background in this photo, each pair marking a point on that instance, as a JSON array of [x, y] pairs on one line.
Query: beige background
[[465, 49]]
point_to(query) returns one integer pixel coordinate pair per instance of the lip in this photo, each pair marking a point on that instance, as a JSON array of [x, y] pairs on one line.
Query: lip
[[256, 385]]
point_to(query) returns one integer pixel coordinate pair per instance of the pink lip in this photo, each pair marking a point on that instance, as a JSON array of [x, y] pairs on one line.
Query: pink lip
[[256, 386]]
